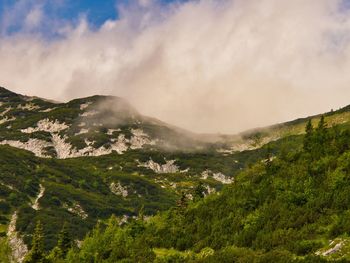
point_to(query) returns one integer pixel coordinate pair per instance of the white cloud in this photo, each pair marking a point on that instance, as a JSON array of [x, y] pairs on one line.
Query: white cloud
[[208, 65], [34, 18]]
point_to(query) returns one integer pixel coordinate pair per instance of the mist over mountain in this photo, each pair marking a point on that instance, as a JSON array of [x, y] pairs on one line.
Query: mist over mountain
[[174, 131], [207, 66]]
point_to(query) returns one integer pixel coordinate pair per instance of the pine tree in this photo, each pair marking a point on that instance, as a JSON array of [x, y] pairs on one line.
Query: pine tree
[[64, 243], [308, 136], [36, 253], [321, 137], [199, 192], [321, 125], [182, 203]]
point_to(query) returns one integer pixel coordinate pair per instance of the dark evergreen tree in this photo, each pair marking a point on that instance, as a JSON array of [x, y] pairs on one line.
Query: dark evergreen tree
[[199, 191], [64, 243], [182, 203], [36, 253], [308, 136], [321, 125], [320, 139]]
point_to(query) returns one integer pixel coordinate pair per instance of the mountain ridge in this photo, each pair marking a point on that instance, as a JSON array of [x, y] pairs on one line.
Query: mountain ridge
[[111, 113]]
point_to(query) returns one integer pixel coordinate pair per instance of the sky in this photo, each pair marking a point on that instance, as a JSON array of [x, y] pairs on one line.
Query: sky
[[205, 65]]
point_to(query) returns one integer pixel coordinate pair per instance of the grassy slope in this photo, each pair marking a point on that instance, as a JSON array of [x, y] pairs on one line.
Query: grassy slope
[[285, 210]]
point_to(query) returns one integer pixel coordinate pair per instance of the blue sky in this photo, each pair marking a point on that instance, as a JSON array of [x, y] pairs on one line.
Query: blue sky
[[96, 11]]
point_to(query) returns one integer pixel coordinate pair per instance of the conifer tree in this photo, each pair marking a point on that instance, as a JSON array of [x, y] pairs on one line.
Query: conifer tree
[[64, 243], [36, 253], [199, 192], [182, 204], [321, 137], [308, 136], [321, 125]]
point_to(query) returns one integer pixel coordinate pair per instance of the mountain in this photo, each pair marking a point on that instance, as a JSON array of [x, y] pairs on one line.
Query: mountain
[[291, 208], [91, 126], [82, 161], [87, 159]]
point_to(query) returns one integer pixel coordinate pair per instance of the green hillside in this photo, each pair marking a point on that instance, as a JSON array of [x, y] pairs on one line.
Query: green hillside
[[180, 196], [294, 208]]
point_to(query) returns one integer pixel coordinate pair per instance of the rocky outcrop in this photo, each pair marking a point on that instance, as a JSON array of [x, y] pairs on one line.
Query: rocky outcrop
[[35, 205], [168, 167], [65, 150], [139, 139], [76, 209], [28, 106], [85, 105], [220, 177], [35, 146], [47, 126], [118, 189], [18, 248]]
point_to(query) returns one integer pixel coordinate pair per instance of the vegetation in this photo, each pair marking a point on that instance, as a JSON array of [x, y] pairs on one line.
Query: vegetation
[[289, 198], [280, 210]]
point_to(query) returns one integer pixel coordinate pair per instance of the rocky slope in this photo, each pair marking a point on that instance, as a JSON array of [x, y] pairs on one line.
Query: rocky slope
[[89, 158], [91, 126]]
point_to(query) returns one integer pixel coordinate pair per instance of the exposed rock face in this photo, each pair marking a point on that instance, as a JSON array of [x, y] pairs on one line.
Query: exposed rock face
[[6, 119], [48, 126], [28, 106], [34, 145], [118, 189], [209, 189], [168, 167], [85, 105], [66, 150], [82, 131], [5, 111], [249, 145], [216, 176], [76, 209], [333, 250], [139, 139], [336, 248], [36, 202], [19, 249], [47, 110], [89, 113]]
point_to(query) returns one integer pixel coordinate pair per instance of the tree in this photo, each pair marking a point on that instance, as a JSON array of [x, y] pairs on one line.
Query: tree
[[321, 125], [36, 253], [321, 131], [320, 139], [308, 136], [182, 203], [64, 243], [199, 192]]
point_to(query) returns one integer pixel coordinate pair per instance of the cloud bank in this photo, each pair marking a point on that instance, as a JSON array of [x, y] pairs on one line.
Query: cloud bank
[[205, 65]]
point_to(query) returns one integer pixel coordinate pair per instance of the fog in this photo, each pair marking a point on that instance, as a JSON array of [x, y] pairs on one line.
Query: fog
[[206, 65]]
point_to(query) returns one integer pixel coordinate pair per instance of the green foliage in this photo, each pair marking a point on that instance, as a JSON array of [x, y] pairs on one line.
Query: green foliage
[[36, 253], [5, 251], [282, 212], [111, 243], [64, 243]]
